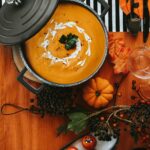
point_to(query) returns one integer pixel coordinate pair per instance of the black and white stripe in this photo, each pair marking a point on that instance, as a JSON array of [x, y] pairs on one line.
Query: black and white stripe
[[115, 19]]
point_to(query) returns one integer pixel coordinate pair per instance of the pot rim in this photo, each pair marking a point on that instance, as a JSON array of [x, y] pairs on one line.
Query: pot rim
[[42, 80]]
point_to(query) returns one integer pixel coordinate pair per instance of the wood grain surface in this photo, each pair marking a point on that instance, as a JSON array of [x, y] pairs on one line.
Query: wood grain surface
[[25, 131]]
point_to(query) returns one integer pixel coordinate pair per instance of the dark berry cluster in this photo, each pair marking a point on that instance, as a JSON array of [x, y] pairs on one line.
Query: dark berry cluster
[[54, 100], [93, 123], [101, 129], [103, 133], [139, 113], [140, 116], [137, 117]]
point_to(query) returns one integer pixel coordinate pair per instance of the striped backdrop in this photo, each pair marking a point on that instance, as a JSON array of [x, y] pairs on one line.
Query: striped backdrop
[[115, 19]]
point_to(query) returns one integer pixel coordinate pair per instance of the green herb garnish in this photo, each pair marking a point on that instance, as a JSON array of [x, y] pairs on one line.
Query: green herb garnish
[[70, 41], [63, 39]]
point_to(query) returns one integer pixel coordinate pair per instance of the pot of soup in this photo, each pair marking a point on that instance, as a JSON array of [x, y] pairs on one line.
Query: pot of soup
[[69, 49]]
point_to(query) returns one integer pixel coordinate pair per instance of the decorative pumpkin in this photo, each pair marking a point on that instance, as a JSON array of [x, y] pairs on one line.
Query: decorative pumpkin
[[98, 92]]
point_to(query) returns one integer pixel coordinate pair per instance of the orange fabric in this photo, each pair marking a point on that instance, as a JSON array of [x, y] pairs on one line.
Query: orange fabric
[[123, 5], [126, 7]]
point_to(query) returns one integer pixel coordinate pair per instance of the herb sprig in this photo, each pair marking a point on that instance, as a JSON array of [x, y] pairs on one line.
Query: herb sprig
[[70, 41]]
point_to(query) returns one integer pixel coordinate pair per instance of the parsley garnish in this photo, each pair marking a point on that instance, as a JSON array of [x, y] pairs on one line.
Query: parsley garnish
[[70, 41]]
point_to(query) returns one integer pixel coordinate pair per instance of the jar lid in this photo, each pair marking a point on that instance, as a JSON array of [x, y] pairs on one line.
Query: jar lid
[[20, 21]]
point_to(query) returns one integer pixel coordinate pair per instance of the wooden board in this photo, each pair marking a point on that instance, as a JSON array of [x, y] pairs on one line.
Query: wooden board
[[26, 131]]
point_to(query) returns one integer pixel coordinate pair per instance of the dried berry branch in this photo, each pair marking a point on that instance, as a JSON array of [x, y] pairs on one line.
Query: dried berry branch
[[136, 117], [124, 120]]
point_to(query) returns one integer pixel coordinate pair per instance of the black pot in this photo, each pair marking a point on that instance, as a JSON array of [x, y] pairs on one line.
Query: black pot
[[41, 79]]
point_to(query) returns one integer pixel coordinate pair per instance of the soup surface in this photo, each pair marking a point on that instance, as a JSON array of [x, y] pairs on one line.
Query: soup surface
[[50, 59]]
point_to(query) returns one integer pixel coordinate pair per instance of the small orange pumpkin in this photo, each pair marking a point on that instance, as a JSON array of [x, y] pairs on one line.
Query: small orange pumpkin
[[98, 92]]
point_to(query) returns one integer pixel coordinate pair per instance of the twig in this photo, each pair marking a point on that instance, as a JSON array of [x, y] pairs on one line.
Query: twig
[[139, 94], [106, 109], [107, 122], [32, 109], [124, 120], [142, 95], [123, 77], [101, 111], [18, 109]]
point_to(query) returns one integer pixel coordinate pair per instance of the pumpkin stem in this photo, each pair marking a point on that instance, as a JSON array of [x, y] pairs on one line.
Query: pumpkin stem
[[97, 93]]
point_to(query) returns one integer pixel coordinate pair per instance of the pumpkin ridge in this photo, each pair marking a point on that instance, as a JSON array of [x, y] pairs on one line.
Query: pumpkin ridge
[[89, 96], [108, 96], [101, 101], [101, 83], [89, 89], [108, 89], [92, 101], [93, 84], [104, 100]]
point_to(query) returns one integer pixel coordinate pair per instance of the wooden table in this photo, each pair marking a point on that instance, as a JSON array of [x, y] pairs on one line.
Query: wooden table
[[25, 131]]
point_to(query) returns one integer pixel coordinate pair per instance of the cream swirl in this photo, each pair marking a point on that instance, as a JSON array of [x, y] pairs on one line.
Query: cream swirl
[[61, 26]]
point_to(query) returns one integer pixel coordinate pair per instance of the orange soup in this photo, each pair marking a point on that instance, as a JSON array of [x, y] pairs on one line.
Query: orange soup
[[50, 59]]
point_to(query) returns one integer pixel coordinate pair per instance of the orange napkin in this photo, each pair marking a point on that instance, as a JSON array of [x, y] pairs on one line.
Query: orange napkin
[[126, 7]]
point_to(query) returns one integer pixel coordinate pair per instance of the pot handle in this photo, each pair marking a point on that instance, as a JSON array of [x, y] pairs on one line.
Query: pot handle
[[27, 85], [106, 7]]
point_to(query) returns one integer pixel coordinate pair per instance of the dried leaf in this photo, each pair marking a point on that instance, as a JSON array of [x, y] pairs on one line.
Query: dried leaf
[[77, 122]]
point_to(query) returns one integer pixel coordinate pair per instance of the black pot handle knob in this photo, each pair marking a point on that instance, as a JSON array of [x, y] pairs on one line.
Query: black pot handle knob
[[106, 7], [34, 90]]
